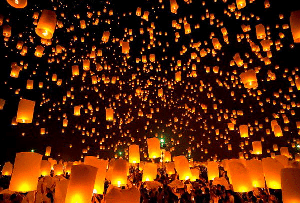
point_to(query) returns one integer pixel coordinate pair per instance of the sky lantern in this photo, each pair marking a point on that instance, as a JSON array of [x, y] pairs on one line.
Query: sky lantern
[[125, 47], [295, 25], [134, 154], [39, 51], [15, 70], [29, 85], [17, 3], [167, 156], [237, 59], [178, 76], [101, 173], [160, 92], [182, 167], [109, 114], [257, 147], [75, 70], [58, 169], [45, 168], [290, 180], [48, 151], [7, 169], [249, 79], [244, 131], [277, 131], [46, 25], [77, 110], [272, 169], [240, 4], [26, 172], [153, 148], [6, 31], [260, 31], [195, 174], [81, 186], [216, 43], [105, 36], [170, 168], [119, 173], [86, 64], [256, 173], [2, 103], [174, 6], [149, 172], [239, 177], [212, 170], [25, 111]]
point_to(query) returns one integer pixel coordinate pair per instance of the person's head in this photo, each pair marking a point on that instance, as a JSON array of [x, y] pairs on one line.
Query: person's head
[[250, 194]]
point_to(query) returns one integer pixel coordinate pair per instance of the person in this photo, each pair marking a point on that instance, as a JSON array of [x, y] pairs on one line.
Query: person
[[230, 196], [251, 198]]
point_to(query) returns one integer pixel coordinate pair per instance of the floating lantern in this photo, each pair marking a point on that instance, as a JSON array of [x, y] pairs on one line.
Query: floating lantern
[[26, 172], [272, 169], [244, 131], [45, 168], [153, 148], [240, 4], [58, 169], [75, 70], [81, 186], [48, 151], [7, 169], [149, 172], [25, 111], [295, 25], [119, 173], [260, 31], [239, 177], [17, 3], [46, 25], [257, 147], [125, 47], [109, 114], [195, 174], [290, 180], [249, 79], [134, 154], [167, 156], [77, 110], [182, 167], [170, 168], [256, 173], [212, 170]]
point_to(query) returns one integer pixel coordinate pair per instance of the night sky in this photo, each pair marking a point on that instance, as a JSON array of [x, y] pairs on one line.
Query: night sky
[[192, 115]]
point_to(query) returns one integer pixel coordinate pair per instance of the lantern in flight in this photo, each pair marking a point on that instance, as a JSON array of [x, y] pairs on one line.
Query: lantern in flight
[[119, 173], [239, 177], [243, 131], [134, 154], [256, 173], [149, 172], [46, 25], [182, 167], [295, 25], [45, 168], [109, 114], [7, 169], [17, 3], [212, 170], [257, 147], [272, 169], [25, 111], [153, 148], [249, 79]]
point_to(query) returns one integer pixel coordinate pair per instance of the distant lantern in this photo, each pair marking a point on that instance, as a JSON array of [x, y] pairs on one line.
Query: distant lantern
[[178, 76], [160, 92], [25, 111], [134, 154], [167, 156], [216, 43], [101, 165], [240, 4], [48, 151], [212, 170], [278, 131], [39, 51], [77, 110], [239, 177], [249, 79], [257, 147], [174, 6], [125, 47], [29, 85], [86, 64], [119, 173], [105, 36], [272, 169], [81, 186], [153, 148], [15, 70], [244, 131], [260, 31], [45, 168], [2, 103], [149, 172], [182, 167], [58, 169], [109, 114], [256, 173], [46, 25], [17, 3], [295, 25], [75, 70], [290, 179], [7, 169], [26, 172], [6, 31]]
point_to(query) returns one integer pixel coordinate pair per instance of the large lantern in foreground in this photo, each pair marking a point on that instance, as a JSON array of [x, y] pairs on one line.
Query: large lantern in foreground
[[150, 172], [25, 111], [256, 173], [290, 183], [153, 148], [46, 25], [17, 3], [272, 169], [80, 189], [239, 177], [45, 168], [295, 25], [182, 167], [134, 154], [119, 173], [212, 170], [26, 172]]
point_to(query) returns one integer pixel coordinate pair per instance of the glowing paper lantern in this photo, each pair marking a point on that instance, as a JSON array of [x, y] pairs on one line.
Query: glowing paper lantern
[[170, 168], [7, 169], [295, 25], [61, 188], [240, 4], [75, 70], [119, 173], [134, 154], [15, 70], [26, 172], [244, 131], [105, 36], [45, 168], [290, 183], [46, 25], [249, 79], [284, 151], [174, 6], [178, 76], [272, 169], [256, 173], [278, 131], [109, 114], [77, 110], [125, 47], [17, 3], [81, 186], [39, 51], [48, 151], [182, 167], [58, 169], [283, 160], [101, 173], [25, 111], [86, 64], [153, 148], [195, 174], [2, 103], [257, 147], [167, 156], [239, 177], [212, 170], [149, 172], [260, 31]]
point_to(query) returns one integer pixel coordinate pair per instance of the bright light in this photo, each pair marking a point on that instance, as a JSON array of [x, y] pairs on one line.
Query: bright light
[[95, 191], [32, 150], [119, 183], [16, 1], [134, 162], [45, 33], [162, 140]]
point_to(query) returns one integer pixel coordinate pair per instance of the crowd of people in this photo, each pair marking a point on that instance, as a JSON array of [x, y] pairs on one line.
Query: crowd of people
[[167, 189]]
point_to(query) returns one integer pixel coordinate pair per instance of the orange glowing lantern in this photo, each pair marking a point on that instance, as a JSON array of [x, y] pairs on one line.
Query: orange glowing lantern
[[75, 70], [243, 131], [134, 154], [149, 172], [174, 6], [272, 169], [105, 36], [249, 79], [119, 173], [170, 168], [17, 3], [77, 110], [153, 148], [195, 174], [182, 167], [167, 156], [58, 169], [25, 111], [240, 4], [239, 177], [48, 151], [81, 186], [26, 172], [212, 170], [109, 114], [125, 47], [7, 169], [260, 31], [45, 168], [86, 64], [257, 147], [46, 25], [39, 51], [290, 179], [295, 25], [256, 173]]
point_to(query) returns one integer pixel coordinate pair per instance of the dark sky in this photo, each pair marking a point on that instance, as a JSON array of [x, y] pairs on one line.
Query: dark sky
[[195, 130]]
